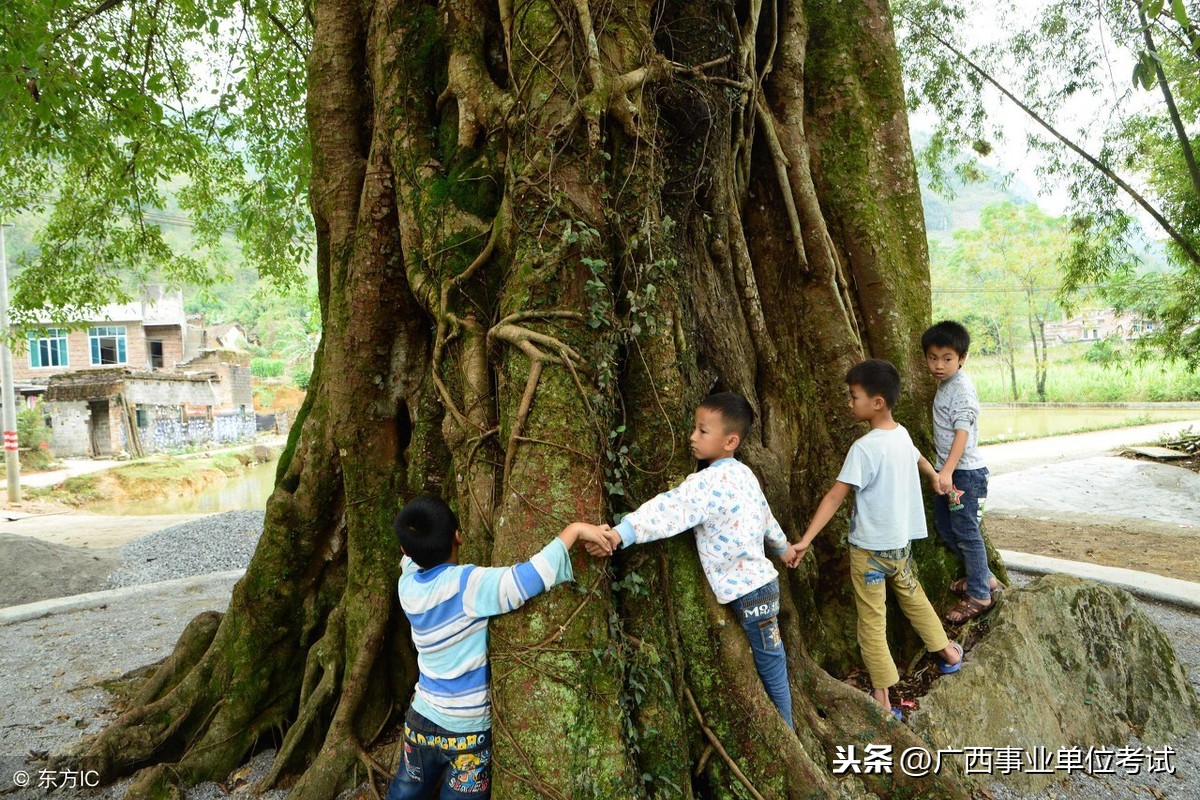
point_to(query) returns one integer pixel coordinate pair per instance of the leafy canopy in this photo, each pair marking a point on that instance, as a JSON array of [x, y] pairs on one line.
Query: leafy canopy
[[107, 102], [1113, 90]]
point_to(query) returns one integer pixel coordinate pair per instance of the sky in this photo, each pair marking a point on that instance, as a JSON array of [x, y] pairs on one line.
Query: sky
[[1081, 118]]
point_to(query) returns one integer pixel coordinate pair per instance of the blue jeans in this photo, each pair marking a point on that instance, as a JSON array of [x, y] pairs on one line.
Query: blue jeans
[[959, 528], [441, 763], [759, 614]]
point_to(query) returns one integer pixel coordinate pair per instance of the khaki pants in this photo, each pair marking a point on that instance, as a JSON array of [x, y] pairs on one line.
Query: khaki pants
[[871, 571]]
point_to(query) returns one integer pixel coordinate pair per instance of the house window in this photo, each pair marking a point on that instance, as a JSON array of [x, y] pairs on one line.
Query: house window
[[143, 419], [156, 353], [108, 345], [48, 349]]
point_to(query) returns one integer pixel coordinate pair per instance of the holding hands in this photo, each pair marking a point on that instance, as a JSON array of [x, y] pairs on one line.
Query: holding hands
[[795, 553], [598, 540]]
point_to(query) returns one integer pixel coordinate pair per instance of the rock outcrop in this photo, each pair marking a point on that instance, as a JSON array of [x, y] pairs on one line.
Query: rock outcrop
[[1067, 663]]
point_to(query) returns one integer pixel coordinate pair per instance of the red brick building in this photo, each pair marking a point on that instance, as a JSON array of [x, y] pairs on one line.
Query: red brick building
[[146, 336]]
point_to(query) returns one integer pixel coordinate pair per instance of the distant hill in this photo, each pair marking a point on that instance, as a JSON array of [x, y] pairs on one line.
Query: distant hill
[[960, 210], [944, 214]]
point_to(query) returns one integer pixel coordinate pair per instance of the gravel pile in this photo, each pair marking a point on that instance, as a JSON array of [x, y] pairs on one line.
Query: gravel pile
[[216, 543]]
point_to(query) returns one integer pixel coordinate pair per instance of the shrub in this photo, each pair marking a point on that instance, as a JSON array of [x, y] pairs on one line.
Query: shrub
[[302, 375], [1103, 352], [266, 367], [32, 431]]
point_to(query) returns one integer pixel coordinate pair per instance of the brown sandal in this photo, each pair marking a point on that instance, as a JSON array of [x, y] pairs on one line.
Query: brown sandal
[[959, 585], [968, 608]]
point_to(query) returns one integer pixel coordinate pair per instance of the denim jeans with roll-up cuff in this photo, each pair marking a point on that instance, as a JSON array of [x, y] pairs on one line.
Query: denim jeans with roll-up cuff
[[759, 615], [439, 763], [959, 528]]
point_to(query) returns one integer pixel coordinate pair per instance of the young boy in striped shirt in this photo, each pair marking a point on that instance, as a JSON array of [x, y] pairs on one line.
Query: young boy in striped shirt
[[447, 731]]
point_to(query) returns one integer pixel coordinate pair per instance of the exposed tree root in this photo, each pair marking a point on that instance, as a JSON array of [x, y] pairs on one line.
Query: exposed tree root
[[716, 744]]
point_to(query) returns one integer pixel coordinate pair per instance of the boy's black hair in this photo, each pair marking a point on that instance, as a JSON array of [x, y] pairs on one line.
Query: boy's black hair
[[947, 333], [878, 378], [425, 528], [734, 409]]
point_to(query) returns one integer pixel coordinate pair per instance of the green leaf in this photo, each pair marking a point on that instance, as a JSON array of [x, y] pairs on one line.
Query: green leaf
[[1180, 13]]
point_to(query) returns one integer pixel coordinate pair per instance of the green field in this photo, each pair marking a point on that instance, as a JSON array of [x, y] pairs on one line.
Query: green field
[[1071, 378]]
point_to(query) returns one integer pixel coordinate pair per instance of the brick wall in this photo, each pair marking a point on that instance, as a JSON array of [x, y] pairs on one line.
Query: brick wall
[[241, 393], [79, 356], [69, 435], [168, 429], [172, 344], [172, 392]]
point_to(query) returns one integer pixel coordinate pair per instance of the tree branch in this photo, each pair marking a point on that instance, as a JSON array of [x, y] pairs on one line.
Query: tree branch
[[1162, 221], [278, 23], [107, 5], [1185, 144]]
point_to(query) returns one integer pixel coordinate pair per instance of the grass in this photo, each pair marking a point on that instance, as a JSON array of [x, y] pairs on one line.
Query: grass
[[1071, 378], [154, 475]]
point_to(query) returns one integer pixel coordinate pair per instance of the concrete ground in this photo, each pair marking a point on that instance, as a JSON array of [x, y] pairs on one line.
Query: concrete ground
[[1100, 487], [1072, 497], [1015, 456]]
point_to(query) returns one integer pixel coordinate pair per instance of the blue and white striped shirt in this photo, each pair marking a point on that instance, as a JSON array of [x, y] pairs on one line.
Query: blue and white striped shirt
[[447, 608]]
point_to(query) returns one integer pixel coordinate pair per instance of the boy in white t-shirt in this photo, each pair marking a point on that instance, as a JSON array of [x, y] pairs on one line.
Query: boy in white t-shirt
[[882, 467]]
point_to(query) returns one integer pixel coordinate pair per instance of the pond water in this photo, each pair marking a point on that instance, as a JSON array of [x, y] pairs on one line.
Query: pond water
[[248, 491], [1003, 423]]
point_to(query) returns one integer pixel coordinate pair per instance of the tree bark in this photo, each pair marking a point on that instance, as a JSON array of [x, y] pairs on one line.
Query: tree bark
[[546, 230]]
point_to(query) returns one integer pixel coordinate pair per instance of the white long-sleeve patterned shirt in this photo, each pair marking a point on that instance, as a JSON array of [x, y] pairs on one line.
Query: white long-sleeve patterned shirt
[[725, 504]]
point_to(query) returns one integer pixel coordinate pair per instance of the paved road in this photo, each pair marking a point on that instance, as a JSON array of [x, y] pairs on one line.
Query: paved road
[[91, 530], [1014, 456]]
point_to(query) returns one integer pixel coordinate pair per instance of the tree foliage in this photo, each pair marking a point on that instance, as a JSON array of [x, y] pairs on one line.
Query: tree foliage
[[1004, 277], [107, 103], [1113, 91]]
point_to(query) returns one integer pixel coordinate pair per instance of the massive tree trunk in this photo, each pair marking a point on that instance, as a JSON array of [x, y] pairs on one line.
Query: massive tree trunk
[[547, 228]]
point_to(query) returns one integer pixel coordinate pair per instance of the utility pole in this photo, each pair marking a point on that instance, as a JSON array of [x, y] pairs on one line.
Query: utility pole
[[12, 460]]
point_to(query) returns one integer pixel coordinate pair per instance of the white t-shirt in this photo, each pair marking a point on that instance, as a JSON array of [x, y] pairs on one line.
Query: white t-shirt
[[888, 510]]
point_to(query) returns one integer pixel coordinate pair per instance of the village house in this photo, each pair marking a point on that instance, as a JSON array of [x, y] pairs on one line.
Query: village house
[[153, 334], [1094, 325], [136, 380]]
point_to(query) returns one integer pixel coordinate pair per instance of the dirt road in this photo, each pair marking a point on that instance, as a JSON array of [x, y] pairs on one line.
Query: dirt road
[[1069, 497]]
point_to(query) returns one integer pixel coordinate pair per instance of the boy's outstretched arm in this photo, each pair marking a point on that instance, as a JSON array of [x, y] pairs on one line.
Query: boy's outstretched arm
[[825, 511], [667, 514], [490, 591]]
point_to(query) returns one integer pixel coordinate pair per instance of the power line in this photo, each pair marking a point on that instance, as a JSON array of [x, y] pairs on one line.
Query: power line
[[1009, 290]]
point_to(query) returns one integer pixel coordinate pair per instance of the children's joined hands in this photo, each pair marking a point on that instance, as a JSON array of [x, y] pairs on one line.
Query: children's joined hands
[[794, 554], [599, 540]]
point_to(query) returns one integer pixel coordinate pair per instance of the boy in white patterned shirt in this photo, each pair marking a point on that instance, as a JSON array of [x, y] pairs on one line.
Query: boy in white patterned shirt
[[726, 506]]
